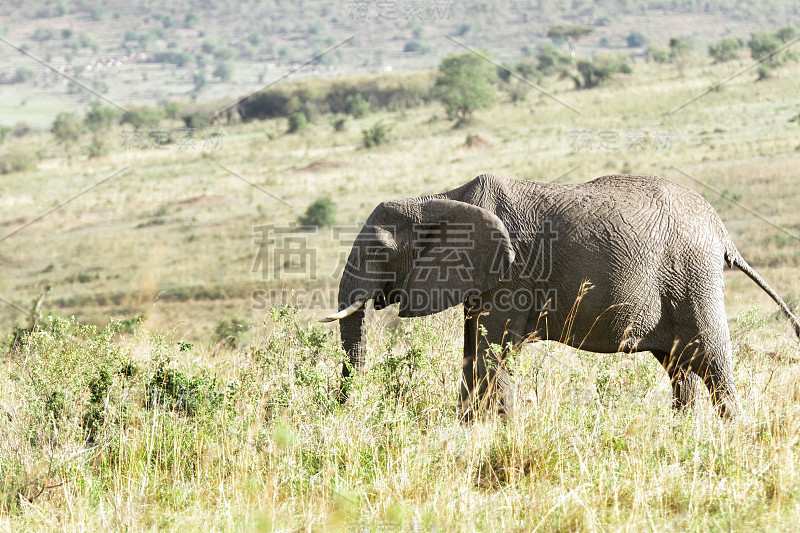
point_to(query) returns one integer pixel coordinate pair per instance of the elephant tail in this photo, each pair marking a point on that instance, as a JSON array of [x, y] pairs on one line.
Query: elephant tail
[[735, 259]]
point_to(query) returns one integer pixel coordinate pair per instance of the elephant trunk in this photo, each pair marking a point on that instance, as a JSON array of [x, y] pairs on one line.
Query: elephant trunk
[[353, 341]]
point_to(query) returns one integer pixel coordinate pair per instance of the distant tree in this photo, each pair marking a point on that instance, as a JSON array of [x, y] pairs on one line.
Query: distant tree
[[416, 46], [725, 50], [377, 135], [657, 54], [764, 45], [224, 71], [142, 117], [635, 39], [100, 117], [43, 34], [199, 81], [550, 60], [22, 74], [561, 33], [87, 40], [600, 70], [570, 34], [681, 50], [464, 85], [67, 129], [191, 20], [356, 106], [297, 121], [681, 47], [786, 34]]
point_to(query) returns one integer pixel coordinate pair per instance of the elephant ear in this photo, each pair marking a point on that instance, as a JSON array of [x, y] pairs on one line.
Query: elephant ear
[[458, 250]]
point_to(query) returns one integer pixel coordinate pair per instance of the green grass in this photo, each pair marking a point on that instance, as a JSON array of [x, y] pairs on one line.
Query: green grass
[[158, 426]]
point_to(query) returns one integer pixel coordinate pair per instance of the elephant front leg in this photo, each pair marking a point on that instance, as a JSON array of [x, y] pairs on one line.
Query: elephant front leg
[[485, 379]]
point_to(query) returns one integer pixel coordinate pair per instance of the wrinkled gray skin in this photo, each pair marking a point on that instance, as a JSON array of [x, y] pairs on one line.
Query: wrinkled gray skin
[[653, 251]]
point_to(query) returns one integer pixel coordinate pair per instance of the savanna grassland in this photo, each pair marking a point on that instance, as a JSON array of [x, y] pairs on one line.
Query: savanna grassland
[[167, 417]]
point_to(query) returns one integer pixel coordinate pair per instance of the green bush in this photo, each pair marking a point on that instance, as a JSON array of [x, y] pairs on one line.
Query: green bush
[[356, 106], [66, 128], [319, 213], [597, 72], [550, 60], [143, 117], [339, 124], [171, 390], [376, 135], [680, 47], [232, 332], [191, 19], [20, 160], [725, 50], [416, 46], [635, 39], [224, 71], [657, 54], [297, 121], [100, 117]]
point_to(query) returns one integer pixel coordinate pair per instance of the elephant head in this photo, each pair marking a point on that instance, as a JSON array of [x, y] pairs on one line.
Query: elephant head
[[427, 254]]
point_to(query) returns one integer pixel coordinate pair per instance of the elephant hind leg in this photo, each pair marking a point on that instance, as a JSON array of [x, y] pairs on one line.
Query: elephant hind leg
[[685, 383], [706, 359]]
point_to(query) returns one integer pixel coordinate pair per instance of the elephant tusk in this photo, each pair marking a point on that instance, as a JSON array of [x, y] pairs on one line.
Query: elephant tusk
[[345, 312]]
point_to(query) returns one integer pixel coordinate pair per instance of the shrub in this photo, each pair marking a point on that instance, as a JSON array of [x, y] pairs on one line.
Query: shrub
[[191, 19], [87, 40], [680, 47], [356, 106], [550, 60], [376, 135], [142, 117], [416, 46], [297, 121], [464, 85], [786, 33], [19, 160], [725, 50], [23, 74], [100, 117], [98, 147], [339, 124], [21, 129], [43, 34], [66, 128], [657, 54], [594, 73], [232, 332], [763, 45], [224, 71], [635, 39], [171, 390], [321, 212]]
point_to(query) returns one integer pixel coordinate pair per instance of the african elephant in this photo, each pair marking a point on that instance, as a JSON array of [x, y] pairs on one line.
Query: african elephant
[[619, 264]]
